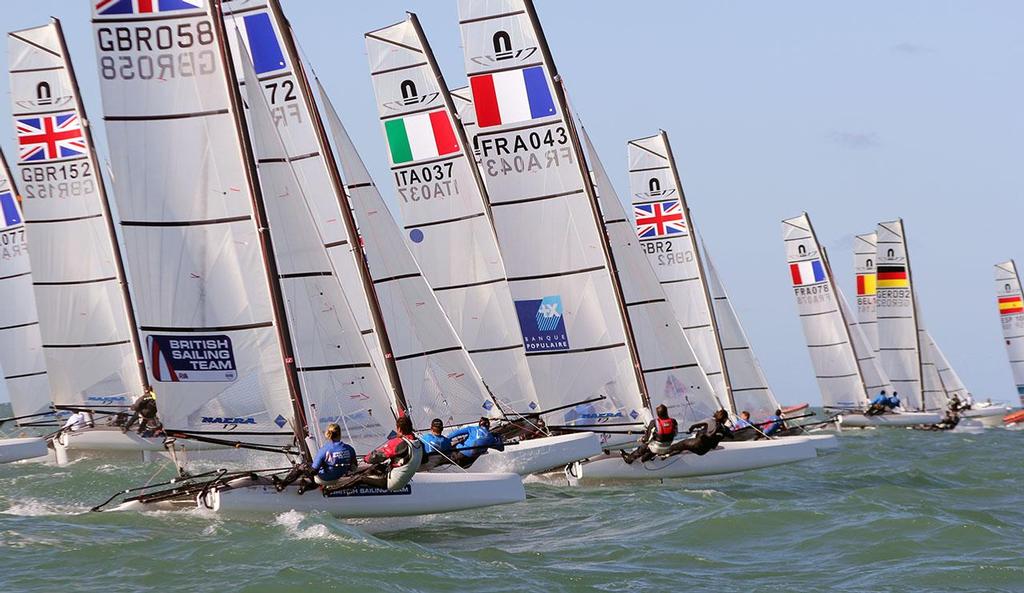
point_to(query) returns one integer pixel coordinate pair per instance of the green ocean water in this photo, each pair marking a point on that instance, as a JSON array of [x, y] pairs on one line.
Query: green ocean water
[[893, 510]]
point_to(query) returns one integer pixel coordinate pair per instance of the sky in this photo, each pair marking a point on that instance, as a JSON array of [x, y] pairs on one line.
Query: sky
[[855, 112]]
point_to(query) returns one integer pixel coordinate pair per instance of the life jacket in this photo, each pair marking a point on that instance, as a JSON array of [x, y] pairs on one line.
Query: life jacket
[[664, 433], [403, 468]]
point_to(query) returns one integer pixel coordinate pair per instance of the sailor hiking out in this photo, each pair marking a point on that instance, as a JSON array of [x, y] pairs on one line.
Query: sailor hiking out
[[657, 439], [476, 440]]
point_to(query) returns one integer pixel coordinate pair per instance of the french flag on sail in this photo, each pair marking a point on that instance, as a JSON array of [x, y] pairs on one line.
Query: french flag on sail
[[145, 6], [9, 206], [807, 272], [262, 41], [512, 96]]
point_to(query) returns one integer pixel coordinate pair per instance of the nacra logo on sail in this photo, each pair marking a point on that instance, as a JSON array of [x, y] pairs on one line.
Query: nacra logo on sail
[[228, 420]]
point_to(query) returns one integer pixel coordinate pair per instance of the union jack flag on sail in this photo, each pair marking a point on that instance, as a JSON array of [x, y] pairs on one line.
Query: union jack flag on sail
[[49, 137], [659, 219], [144, 6]]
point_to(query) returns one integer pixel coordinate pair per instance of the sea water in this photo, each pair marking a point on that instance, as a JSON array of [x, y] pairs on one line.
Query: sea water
[[893, 510]]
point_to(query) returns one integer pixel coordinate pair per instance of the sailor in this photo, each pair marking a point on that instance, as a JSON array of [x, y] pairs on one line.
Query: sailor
[[878, 405], [969, 401], [437, 448], [391, 465], [478, 439], [742, 422], [144, 410], [706, 435], [775, 423], [656, 439], [77, 421], [334, 461], [955, 405], [894, 401]]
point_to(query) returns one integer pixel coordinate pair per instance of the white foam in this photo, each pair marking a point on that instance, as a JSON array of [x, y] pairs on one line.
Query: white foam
[[292, 521], [30, 507]]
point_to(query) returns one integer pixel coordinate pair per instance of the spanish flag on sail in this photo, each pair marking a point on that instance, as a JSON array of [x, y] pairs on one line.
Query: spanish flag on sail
[[865, 285], [892, 276], [1011, 305]]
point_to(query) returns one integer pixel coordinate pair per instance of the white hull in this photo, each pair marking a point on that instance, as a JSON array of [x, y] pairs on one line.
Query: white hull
[[23, 448], [102, 439], [821, 442], [537, 455], [729, 457], [901, 419], [428, 493], [989, 416]]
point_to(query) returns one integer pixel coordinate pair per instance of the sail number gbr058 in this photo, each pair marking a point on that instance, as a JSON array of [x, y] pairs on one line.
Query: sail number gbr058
[[163, 52]]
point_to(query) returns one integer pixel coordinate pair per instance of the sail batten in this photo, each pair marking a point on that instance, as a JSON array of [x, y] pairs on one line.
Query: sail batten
[[85, 312]]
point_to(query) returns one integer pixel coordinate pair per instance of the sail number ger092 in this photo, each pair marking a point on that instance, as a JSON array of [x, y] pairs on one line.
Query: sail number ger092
[[154, 51]]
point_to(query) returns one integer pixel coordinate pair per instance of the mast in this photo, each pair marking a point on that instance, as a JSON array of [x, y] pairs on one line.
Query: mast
[[703, 272], [122, 279], [917, 323], [838, 297], [588, 187], [263, 232], [338, 185]]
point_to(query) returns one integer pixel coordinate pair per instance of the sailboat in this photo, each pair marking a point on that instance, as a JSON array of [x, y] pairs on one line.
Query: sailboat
[[93, 355], [1010, 303], [865, 250], [293, 345], [21, 346], [448, 229], [848, 374]]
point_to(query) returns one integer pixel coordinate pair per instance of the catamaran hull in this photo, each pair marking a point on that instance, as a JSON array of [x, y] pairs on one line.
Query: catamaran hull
[[821, 442], [427, 494], [107, 440], [856, 420], [990, 416], [12, 450], [538, 455], [729, 457]]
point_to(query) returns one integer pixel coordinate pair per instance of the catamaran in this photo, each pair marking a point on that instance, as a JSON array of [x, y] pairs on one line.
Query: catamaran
[[21, 345], [847, 372], [93, 355], [448, 229], [268, 305], [1011, 316]]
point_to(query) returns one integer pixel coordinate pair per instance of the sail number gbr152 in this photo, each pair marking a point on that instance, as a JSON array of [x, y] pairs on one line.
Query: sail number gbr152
[[524, 151], [163, 52]]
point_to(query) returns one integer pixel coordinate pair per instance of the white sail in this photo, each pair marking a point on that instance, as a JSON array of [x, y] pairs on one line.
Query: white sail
[[749, 385], [186, 199], [443, 205], [1010, 304], [933, 390], [875, 379], [898, 345], [21, 344], [546, 220], [667, 361], [267, 38], [826, 330], [864, 252], [667, 236], [950, 380], [339, 382], [84, 315], [437, 376]]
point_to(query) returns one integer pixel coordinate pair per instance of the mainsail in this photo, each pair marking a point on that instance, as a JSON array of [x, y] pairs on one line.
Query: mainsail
[[826, 329], [747, 380], [85, 311], [1010, 303], [334, 367], [667, 236], [899, 348], [21, 345], [950, 380], [875, 378], [443, 204], [268, 39], [667, 361], [865, 251], [568, 303], [190, 216], [933, 391], [437, 375]]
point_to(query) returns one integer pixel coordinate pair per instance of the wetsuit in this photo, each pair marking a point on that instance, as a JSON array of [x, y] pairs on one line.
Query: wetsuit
[[708, 434], [478, 440], [657, 440]]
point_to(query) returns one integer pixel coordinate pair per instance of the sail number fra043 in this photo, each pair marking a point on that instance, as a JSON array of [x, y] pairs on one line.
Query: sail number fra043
[[504, 155], [157, 41]]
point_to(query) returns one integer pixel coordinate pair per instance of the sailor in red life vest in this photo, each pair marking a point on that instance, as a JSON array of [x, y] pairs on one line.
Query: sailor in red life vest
[[657, 438], [391, 465]]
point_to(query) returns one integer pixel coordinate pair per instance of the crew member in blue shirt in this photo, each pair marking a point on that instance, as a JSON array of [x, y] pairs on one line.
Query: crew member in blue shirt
[[478, 439], [775, 423], [742, 422], [332, 462], [879, 405], [437, 448]]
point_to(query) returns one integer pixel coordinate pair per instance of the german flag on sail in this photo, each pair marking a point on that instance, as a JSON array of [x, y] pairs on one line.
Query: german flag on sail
[[1011, 305], [892, 277], [865, 285]]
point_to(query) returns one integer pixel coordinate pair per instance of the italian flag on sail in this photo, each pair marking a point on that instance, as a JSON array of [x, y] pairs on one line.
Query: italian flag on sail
[[421, 136]]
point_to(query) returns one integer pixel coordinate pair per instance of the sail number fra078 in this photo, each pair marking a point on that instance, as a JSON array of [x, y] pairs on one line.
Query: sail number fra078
[[156, 41]]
